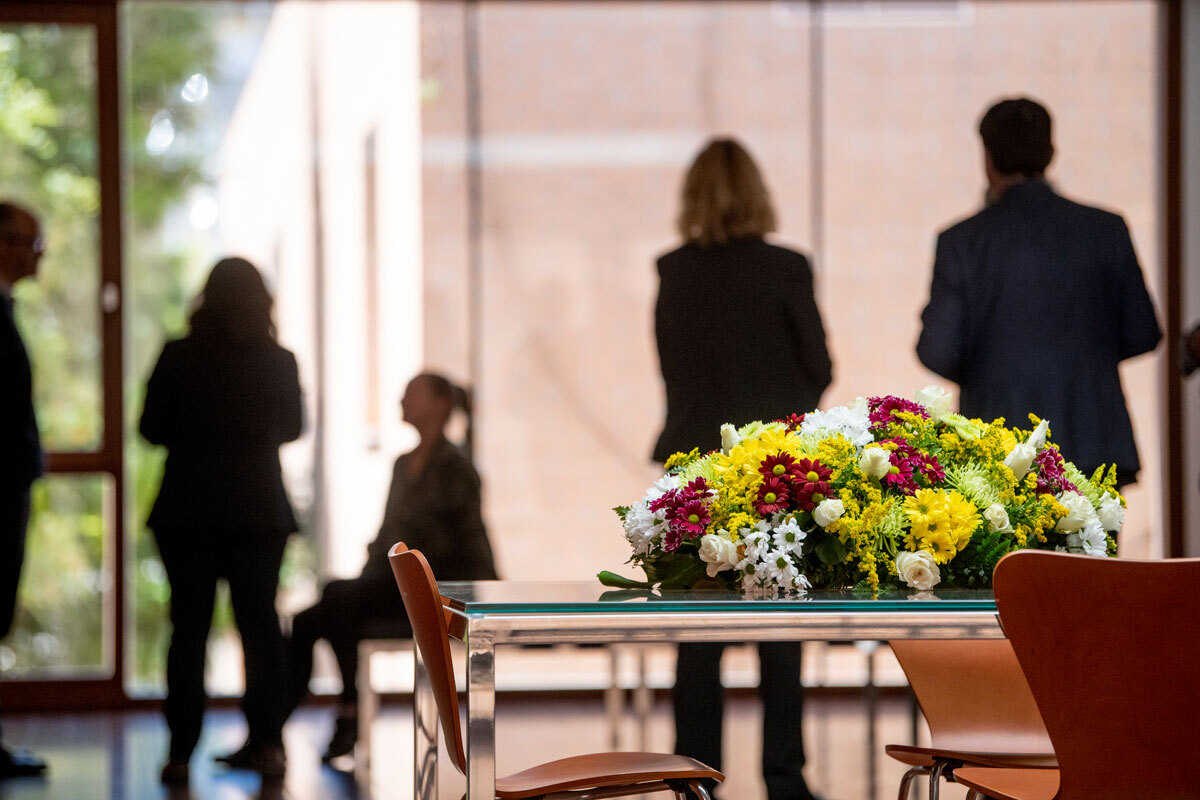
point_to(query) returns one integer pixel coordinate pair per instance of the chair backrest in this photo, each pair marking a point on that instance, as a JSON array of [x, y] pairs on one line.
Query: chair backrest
[[974, 695], [423, 603], [1111, 650]]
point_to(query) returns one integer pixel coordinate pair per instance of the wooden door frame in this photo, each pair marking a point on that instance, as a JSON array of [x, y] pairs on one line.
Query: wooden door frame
[[108, 691]]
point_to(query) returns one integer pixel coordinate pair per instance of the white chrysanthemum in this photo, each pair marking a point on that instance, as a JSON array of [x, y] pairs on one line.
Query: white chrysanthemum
[[754, 545], [642, 527], [853, 423], [1093, 540], [780, 568], [661, 486], [788, 536]]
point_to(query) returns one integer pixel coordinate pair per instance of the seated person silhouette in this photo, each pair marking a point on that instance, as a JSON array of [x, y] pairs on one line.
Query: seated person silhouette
[[433, 505]]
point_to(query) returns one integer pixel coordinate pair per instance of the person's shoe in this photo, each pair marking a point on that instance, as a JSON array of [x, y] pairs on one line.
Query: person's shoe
[[242, 758], [175, 772], [345, 736], [20, 764], [270, 762]]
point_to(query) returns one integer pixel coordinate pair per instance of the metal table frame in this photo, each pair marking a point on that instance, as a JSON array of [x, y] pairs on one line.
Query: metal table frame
[[482, 632]]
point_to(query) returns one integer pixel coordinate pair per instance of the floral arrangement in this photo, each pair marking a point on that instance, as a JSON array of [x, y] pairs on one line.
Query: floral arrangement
[[882, 493]]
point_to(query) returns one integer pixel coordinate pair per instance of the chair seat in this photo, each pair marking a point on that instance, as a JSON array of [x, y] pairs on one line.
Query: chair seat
[[1010, 784], [927, 756], [601, 770]]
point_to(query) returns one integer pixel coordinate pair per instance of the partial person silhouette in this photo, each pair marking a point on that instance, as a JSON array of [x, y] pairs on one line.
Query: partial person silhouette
[[739, 339], [21, 249], [433, 505], [222, 400], [1189, 351], [1036, 300]]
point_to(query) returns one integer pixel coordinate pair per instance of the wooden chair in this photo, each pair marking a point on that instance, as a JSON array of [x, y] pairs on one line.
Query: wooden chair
[[979, 709], [1111, 650], [592, 776]]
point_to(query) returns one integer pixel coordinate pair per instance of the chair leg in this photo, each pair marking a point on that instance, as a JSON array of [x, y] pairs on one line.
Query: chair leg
[[700, 789], [935, 779], [906, 781]]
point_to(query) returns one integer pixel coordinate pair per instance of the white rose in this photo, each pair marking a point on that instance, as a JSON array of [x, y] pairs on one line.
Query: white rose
[[875, 462], [1112, 513], [1020, 459], [859, 406], [828, 510], [1079, 512], [718, 553], [918, 570], [1038, 437], [936, 400], [997, 518], [729, 438]]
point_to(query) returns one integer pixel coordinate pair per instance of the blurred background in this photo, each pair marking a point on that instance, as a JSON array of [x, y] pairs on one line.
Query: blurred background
[[481, 189]]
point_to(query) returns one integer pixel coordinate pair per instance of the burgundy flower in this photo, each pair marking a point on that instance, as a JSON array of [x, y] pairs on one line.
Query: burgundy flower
[[777, 466], [1051, 478], [812, 494], [900, 475], [810, 470], [773, 496], [698, 488], [690, 518], [881, 409], [793, 421]]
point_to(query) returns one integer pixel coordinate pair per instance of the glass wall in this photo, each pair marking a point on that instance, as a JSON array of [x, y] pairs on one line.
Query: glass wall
[[482, 189], [49, 163]]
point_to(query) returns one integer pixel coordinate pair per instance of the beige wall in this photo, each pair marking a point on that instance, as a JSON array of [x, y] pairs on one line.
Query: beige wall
[[590, 114]]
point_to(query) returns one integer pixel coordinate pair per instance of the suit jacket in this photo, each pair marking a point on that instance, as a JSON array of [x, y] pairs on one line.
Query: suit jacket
[[20, 446], [222, 409], [1035, 301], [739, 339], [439, 513]]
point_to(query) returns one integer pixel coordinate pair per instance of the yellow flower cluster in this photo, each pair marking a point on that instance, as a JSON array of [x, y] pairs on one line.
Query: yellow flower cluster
[[942, 522]]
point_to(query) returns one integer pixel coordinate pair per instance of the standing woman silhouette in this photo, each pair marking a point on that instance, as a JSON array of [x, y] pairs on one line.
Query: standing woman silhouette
[[739, 339], [222, 400]]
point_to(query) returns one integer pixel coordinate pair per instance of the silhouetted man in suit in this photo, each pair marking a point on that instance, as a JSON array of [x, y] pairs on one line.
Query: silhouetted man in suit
[[1036, 299], [20, 448]]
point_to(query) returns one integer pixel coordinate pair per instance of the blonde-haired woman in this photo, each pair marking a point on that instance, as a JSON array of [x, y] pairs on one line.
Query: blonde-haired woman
[[739, 339]]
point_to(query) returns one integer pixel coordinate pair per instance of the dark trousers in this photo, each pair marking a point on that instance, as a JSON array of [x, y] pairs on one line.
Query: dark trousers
[[699, 711], [14, 520], [349, 611], [249, 561]]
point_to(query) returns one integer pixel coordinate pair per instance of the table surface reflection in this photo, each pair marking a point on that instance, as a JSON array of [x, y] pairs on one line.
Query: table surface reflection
[[590, 597]]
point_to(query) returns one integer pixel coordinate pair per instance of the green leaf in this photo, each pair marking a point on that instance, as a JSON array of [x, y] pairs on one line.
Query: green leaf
[[828, 547], [622, 511], [620, 581]]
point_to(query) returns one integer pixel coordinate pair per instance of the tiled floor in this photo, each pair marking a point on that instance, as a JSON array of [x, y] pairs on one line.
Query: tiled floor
[[117, 756]]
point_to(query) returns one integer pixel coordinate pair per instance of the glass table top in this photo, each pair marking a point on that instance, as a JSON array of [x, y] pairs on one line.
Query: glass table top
[[575, 597]]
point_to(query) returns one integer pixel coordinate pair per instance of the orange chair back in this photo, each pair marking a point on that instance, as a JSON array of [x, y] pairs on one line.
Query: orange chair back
[[974, 695], [423, 603], [1111, 650]]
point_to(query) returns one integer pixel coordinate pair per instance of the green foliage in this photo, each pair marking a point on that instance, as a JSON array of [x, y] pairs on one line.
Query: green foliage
[[972, 568], [49, 162]]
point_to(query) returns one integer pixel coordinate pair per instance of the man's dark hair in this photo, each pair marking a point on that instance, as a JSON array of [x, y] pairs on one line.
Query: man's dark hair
[[1016, 133]]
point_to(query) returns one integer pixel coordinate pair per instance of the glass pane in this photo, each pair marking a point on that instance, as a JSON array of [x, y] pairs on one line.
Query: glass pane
[[66, 584], [48, 163], [187, 69], [905, 87], [582, 597]]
